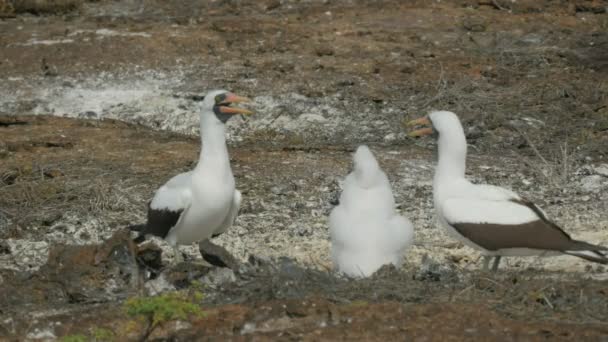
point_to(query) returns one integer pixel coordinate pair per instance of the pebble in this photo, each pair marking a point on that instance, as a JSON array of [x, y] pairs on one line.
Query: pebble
[[312, 118], [601, 170], [474, 24], [390, 137], [219, 276], [592, 183]]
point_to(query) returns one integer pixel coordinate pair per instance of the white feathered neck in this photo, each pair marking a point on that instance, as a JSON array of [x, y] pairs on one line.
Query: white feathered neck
[[213, 137], [452, 146]]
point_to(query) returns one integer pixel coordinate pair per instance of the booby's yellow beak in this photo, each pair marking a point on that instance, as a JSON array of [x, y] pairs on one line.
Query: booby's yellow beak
[[233, 98], [423, 121]]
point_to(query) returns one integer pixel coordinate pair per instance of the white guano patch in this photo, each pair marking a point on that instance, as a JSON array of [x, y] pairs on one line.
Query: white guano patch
[[25, 255], [34, 41]]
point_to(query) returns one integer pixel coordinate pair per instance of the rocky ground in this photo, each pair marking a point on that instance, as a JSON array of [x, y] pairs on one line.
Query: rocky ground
[[97, 110]]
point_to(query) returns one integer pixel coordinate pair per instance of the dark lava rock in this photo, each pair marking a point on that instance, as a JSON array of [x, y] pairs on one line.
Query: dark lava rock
[[4, 248], [386, 271], [217, 255], [592, 7], [474, 132], [431, 270], [3, 151], [51, 217], [593, 51], [474, 24], [219, 277], [272, 4], [149, 258], [88, 115], [289, 269], [183, 274], [257, 261], [324, 50], [304, 231], [76, 274]]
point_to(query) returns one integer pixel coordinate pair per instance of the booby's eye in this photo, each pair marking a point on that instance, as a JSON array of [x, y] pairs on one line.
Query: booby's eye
[[220, 98], [435, 134]]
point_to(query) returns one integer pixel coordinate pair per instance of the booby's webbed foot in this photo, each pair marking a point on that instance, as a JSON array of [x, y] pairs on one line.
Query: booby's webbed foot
[[495, 264]]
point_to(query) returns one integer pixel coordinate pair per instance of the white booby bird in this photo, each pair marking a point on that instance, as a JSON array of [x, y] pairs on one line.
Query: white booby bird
[[494, 220], [365, 230], [202, 203]]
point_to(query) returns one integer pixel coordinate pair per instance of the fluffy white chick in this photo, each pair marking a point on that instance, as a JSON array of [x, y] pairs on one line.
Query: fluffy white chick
[[365, 230]]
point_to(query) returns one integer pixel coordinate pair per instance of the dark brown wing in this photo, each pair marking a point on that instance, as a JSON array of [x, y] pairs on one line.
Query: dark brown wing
[[539, 234], [580, 245], [534, 235]]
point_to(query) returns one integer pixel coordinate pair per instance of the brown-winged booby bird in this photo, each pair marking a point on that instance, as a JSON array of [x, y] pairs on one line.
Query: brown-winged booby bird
[[494, 220], [365, 230], [202, 203]]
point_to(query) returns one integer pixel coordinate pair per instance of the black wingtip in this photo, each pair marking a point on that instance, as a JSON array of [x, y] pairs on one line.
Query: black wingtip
[[579, 245], [594, 256]]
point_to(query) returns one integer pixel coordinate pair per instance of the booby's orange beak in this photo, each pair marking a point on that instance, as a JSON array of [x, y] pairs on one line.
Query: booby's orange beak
[[423, 121], [233, 98]]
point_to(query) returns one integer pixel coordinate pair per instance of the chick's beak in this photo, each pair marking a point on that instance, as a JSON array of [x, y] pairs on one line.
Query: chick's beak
[[423, 121], [233, 98]]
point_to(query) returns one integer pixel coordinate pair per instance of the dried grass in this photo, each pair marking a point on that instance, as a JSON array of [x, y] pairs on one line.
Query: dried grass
[[6, 9], [46, 6], [556, 169], [34, 197], [521, 294]]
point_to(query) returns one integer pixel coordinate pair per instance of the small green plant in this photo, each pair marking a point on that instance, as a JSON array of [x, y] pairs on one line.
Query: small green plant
[[164, 308], [196, 290], [102, 334], [97, 334], [359, 303], [74, 338]]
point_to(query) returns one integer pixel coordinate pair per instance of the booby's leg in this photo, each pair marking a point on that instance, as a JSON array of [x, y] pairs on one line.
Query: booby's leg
[[486, 262], [495, 264]]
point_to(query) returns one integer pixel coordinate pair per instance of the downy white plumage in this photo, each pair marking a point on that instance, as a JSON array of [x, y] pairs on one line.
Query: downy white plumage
[[365, 230], [494, 220], [201, 203]]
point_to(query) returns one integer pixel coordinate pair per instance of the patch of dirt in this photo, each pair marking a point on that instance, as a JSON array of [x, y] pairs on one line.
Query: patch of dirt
[[46, 6], [52, 169], [318, 319], [528, 79], [282, 301], [354, 69]]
